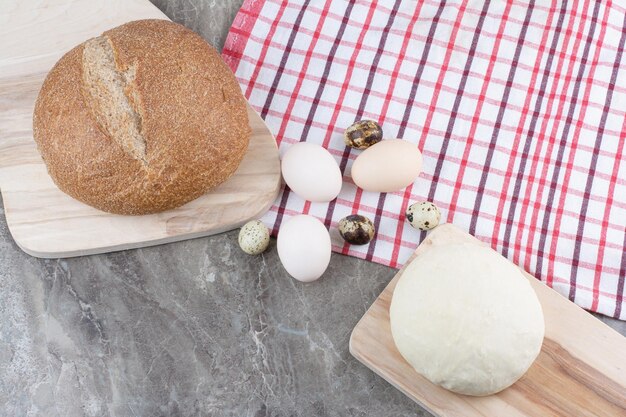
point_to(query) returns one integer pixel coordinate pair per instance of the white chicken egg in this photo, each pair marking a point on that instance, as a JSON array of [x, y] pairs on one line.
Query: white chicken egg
[[311, 172], [304, 247]]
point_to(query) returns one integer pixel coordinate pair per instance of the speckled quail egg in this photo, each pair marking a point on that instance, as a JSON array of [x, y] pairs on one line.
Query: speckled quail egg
[[423, 215], [254, 237], [356, 229], [363, 134]]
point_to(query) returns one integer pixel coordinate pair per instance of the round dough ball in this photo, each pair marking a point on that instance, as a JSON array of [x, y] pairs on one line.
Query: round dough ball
[[466, 319]]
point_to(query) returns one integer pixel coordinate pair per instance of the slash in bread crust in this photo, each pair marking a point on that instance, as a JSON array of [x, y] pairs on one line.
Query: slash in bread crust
[[142, 119]]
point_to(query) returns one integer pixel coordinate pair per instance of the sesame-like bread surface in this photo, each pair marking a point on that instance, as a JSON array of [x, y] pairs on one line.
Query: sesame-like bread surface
[[142, 119]]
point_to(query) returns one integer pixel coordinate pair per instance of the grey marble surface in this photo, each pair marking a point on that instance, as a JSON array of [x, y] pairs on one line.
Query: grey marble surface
[[209, 18], [192, 328]]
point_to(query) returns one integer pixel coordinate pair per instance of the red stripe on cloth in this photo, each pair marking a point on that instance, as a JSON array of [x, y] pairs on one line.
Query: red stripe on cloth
[[236, 41], [359, 114], [270, 95], [452, 119], [594, 163], [395, 73], [564, 191], [266, 44], [540, 138], [283, 61], [349, 71], [431, 111], [470, 10], [403, 124], [293, 95], [387, 101], [344, 87], [300, 77], [550, 141], [565, 139], [442, 110], [605, 224], [531, 132], [519, 131], [308, 122], [435, 42], [621, 277], [483, 91]]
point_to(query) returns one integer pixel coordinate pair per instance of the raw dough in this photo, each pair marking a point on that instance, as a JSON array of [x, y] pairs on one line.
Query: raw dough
[[466, 319]]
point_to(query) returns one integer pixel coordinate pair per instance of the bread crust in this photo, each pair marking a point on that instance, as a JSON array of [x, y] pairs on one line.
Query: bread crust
[[194, 122]]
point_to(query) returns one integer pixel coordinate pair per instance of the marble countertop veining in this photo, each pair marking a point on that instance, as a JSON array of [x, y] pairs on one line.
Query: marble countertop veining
[[192, 328]]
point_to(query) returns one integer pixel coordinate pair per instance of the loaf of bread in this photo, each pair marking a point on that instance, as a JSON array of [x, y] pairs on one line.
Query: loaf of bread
[[144, 118]]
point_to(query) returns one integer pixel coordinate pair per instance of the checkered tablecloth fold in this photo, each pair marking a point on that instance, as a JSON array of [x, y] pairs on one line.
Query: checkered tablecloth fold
[[519, 108]]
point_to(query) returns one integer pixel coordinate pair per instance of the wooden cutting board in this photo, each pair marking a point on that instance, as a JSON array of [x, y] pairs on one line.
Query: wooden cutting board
[[581, 370], [43, 220]]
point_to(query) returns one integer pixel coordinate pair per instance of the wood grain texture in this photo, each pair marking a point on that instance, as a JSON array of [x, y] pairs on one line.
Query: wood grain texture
[[44, 221], [581, 370]]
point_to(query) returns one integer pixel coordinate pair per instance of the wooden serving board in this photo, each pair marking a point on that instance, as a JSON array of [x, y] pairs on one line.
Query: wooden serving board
[[581, 370], [47, 223]]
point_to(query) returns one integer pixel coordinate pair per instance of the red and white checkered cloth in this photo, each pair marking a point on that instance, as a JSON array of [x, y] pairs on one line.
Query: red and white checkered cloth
[[519, 108]]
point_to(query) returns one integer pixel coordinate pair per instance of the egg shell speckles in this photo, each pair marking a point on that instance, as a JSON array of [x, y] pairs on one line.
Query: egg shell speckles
[[363, 134], [254, 238], [356, 229], [423, 215]]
